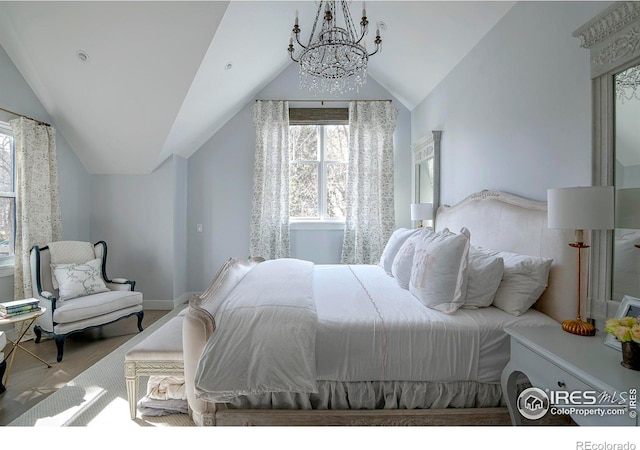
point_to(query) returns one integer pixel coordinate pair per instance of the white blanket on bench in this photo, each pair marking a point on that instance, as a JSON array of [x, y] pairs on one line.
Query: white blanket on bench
[[265, 335]]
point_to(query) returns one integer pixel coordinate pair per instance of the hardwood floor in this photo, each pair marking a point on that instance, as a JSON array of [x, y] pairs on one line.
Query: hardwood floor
[[30, 381]]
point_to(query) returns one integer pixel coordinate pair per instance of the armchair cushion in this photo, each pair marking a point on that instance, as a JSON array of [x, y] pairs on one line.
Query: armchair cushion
[[79, 280], [96, 305]]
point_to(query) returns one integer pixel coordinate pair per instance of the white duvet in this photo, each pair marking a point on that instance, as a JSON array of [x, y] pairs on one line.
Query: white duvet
[[264, 339], [351, 323]]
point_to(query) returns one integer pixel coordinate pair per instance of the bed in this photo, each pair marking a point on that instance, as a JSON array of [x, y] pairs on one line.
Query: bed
[[349, 345]]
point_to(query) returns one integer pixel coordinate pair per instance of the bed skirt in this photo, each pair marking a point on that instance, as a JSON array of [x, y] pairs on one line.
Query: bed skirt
[[381, 395]]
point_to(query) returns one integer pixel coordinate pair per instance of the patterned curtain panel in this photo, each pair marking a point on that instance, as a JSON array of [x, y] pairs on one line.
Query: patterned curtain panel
[[370, 216], [38, 217], [269, 232]]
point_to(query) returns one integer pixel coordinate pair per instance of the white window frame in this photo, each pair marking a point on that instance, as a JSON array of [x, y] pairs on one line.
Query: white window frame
[[7, 263], [322, 221]]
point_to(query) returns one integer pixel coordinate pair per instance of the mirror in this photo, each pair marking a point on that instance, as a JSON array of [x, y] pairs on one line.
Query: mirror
[[613, 40], [426, 174], [626, 240]]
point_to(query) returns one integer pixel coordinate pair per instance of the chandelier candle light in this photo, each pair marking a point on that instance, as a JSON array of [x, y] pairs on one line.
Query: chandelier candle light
[[335, 57]]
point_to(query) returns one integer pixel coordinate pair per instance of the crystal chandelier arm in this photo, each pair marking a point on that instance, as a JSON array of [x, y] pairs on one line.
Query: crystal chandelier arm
[[296, 32], [319, 14], [348, 22], [378, 43]]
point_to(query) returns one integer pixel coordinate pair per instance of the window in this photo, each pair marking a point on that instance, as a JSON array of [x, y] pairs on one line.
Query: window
[[7, 194], [318, 157]]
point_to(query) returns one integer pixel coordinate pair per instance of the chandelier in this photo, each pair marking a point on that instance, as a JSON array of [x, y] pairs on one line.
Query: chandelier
[[627, 84], [335, 57]]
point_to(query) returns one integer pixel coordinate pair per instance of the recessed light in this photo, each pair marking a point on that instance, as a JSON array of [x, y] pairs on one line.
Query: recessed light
[[82, 56], [229, 66], [382, 25]]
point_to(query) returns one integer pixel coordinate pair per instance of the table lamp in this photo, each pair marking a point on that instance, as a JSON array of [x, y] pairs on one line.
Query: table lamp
[[580, 208], [421, 211]]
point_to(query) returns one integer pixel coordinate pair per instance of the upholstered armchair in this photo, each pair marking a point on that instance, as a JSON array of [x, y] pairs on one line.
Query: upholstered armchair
[[70, 280]]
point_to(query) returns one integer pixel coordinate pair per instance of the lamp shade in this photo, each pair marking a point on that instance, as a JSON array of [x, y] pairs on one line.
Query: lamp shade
[[628, 208], [421, 211], [581, 208]]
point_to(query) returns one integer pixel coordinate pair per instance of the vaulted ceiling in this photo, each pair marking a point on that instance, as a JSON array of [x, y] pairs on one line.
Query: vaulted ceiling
[[157, 82]]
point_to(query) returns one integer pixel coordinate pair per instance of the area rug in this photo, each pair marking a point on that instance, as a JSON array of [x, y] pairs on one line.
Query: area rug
[[98, 396]]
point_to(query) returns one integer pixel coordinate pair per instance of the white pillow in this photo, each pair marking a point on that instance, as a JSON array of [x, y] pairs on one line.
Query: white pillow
[[524, 280], [229, 275], [79, 280], [403, 262], [484, 277], [439, 272], [393, 245]]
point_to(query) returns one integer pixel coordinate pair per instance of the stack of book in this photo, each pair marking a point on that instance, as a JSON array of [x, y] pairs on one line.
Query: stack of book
[[16, 307]]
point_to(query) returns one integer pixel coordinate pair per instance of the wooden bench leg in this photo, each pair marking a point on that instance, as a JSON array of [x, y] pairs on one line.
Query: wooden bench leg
[[131, 377]]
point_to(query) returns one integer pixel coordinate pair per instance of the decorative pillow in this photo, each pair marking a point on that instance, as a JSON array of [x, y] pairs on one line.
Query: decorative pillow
[[439, 272], [225, 280], [484, 277], [402, 263], [393, 245], [79, 280], [69, 252], [524, 280]]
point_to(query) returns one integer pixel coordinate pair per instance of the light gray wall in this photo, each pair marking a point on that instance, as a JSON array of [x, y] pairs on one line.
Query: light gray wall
[[515, 113], [180, 167], [16, 95], [221, 185], [134, 215]]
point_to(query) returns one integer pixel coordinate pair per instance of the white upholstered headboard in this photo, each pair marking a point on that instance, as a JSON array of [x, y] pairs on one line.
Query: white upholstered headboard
[[505, 222]]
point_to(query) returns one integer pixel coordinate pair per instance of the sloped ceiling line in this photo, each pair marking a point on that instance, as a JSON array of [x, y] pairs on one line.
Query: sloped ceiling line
[[156, 84]]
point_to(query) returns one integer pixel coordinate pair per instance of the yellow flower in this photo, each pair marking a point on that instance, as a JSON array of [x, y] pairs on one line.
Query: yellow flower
[[628, 322], [622, 333], [625, 329], [611, 325]]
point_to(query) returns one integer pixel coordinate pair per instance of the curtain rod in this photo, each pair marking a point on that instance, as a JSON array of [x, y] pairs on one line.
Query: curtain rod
[[26, 117], [321, 101]]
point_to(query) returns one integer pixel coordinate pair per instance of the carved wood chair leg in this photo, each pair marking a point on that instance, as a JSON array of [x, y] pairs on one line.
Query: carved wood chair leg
[[59, 344], [3, 367], [140, 316]]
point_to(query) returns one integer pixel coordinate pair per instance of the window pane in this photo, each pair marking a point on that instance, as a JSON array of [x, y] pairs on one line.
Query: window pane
[[303, 143], [337, 145], [6, 163], [336, 190], [303, 183], [7, 206]]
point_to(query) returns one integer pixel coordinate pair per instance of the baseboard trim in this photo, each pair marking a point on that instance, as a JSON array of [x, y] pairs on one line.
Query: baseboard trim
[[184, 298], [158, 304]]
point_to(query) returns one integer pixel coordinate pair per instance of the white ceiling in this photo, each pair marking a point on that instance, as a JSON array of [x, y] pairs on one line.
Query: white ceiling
[[156, 84]]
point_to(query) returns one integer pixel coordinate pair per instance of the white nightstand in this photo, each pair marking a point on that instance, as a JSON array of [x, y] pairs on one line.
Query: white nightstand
[[554, 360]]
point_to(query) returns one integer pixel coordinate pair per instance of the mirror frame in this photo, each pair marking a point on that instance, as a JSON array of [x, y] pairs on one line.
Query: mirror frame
[[613, 39], [425, 148]]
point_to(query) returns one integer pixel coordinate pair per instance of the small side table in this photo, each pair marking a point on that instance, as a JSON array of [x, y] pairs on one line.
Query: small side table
[[554, 360], [25, 321]]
